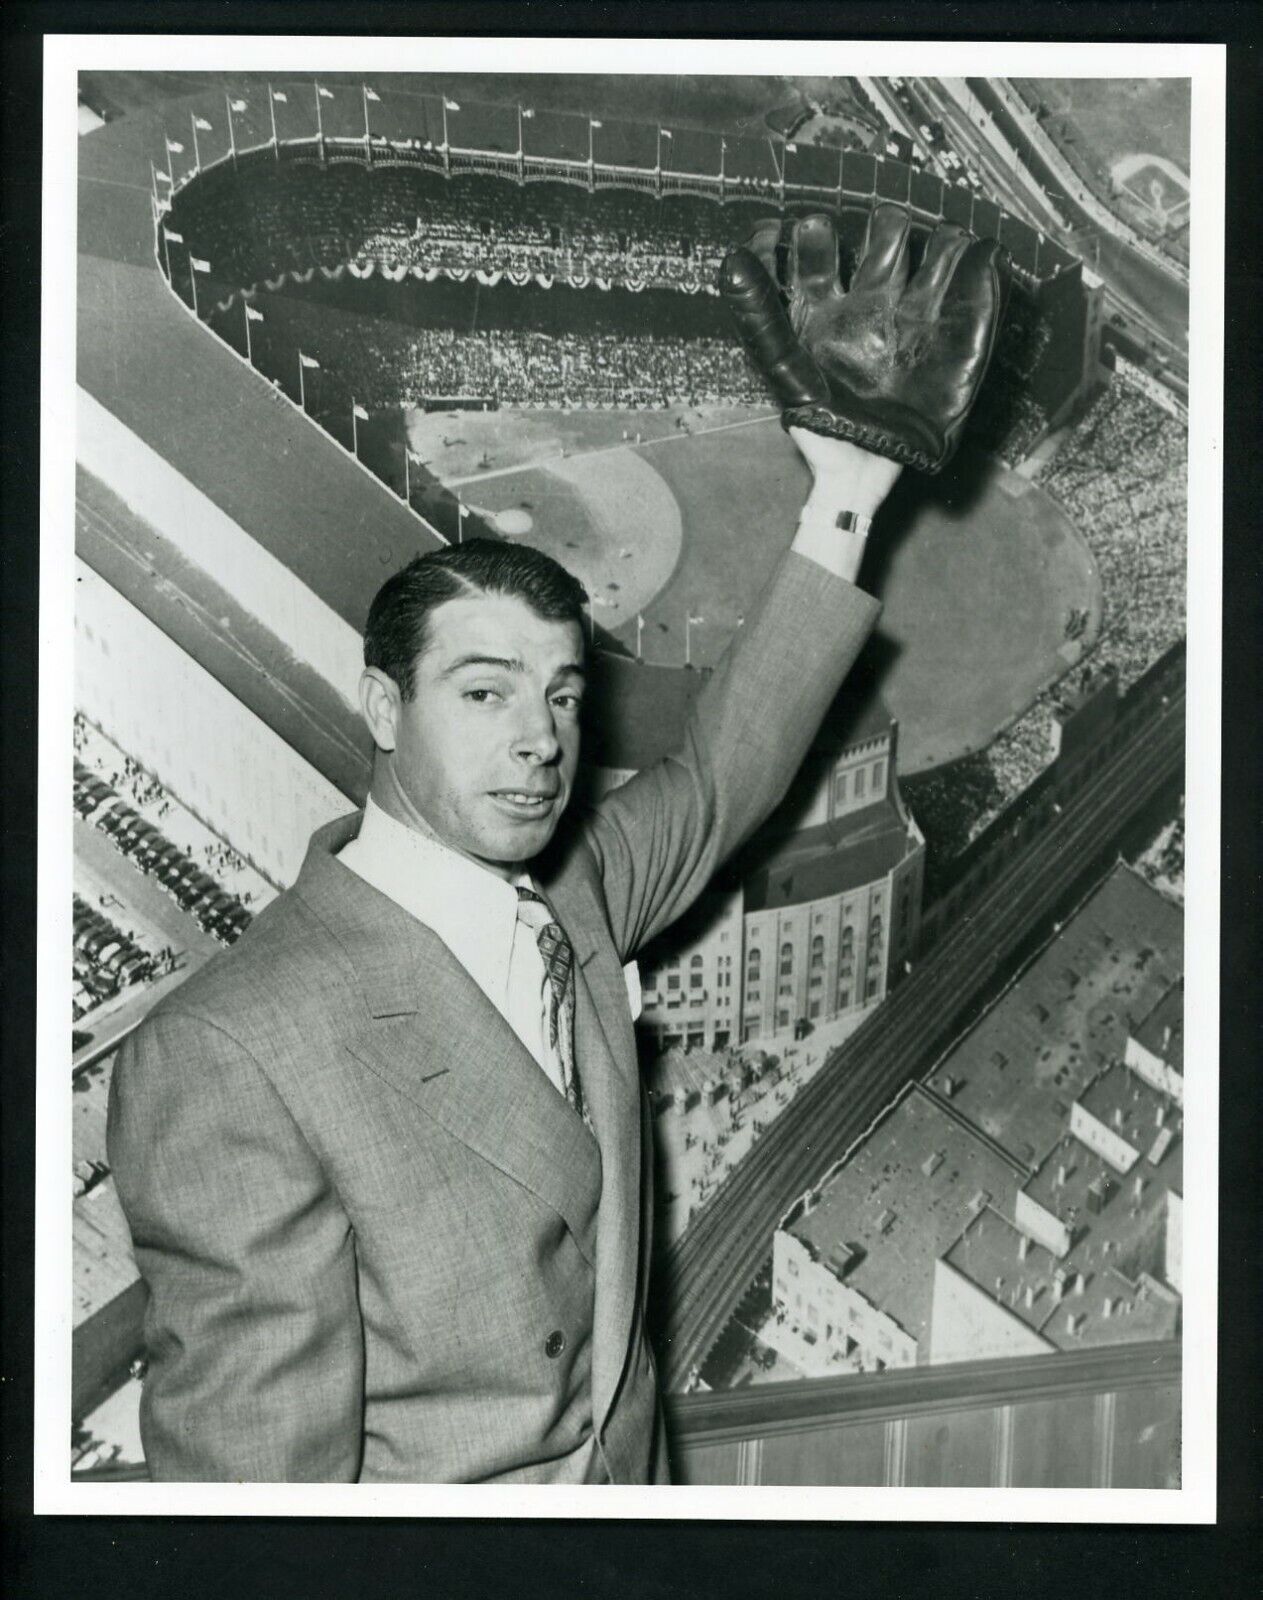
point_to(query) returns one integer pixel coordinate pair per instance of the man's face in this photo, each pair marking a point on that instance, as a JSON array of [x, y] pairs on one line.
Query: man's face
[[485, 752]]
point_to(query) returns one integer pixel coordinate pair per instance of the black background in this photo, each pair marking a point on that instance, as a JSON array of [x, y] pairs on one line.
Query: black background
[[194, 1557]]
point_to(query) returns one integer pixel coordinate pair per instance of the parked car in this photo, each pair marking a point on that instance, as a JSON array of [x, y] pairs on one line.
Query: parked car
[[118, 815]]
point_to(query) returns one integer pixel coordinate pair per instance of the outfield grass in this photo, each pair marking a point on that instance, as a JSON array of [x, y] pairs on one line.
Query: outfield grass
[[978, 570]]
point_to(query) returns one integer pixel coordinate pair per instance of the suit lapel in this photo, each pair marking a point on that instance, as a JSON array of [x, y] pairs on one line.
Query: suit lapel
[[431, 1033]]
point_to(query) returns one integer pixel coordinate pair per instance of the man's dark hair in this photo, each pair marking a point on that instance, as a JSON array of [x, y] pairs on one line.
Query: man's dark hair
[[397, 630]]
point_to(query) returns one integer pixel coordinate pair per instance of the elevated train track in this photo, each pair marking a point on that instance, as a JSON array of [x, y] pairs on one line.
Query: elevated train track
[[708, 1269]]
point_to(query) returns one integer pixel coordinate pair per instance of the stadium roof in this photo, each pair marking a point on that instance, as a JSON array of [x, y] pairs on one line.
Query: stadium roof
[[830, 858]]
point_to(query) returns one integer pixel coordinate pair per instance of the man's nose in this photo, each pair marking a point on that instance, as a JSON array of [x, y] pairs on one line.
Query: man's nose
[[537, 735]]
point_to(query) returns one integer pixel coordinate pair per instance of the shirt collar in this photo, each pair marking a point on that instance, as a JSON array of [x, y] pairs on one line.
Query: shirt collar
[[470, 908]]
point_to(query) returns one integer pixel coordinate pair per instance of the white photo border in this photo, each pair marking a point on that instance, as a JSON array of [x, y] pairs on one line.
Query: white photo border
[[65, 56]]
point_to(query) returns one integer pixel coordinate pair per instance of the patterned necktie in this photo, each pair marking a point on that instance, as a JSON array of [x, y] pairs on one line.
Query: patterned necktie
[[558, 957]]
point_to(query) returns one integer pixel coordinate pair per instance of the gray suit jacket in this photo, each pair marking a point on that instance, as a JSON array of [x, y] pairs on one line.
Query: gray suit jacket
[[379, 1244]]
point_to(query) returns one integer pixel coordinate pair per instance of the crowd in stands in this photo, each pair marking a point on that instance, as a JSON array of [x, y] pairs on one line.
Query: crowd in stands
[[1007, 419], [389, 365], [270, 222], [1122, 477]]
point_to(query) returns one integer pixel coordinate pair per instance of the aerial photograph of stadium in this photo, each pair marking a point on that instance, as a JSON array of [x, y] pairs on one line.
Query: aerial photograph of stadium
[[912, 1058]]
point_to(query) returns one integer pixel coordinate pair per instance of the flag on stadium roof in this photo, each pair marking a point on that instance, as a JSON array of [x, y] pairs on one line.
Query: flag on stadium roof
[[202, 126], [695, 620], [325, 94], [451, 105], [307, 361], [371, 94], [199, 265], [360, 412], [172, 237], [159, 173], [527, 111], [252, 315], [595, 122], [279, 94], [666, 133], [239, 105], [176, 146]]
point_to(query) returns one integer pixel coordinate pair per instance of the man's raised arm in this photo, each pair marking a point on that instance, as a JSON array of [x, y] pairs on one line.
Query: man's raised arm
[[873, 377]]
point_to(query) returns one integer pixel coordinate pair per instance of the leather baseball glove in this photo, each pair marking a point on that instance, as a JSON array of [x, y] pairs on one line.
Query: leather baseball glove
[[892, 365]]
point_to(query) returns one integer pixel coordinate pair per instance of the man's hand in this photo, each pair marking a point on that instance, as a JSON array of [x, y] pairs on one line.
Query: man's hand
[[892, 365]]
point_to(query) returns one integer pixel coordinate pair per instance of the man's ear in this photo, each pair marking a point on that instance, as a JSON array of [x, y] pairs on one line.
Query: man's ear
[[380, 706]]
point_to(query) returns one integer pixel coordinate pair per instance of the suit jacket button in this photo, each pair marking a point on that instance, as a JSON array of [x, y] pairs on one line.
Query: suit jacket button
[[554, 1344]]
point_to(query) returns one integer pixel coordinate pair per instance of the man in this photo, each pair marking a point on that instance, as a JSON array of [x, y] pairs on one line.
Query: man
[[386, 1163]]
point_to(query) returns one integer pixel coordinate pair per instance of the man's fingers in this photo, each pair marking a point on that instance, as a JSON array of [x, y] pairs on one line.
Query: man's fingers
[[813, 257], [765, 329], [884, 261]]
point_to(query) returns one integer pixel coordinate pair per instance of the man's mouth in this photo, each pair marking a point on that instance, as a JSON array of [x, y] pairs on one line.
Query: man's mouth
[[525, 802]]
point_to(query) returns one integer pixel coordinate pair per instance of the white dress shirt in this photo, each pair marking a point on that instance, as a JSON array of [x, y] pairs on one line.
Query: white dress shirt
[[474, 913]]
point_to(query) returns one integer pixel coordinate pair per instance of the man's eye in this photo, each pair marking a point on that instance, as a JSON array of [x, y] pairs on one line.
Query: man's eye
[[480, 696], [567, 701]]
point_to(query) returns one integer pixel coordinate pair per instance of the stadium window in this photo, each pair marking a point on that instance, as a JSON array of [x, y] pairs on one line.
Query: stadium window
[[872, 987], [695, 961], [673, 980], [839, 789], [782, 1019], [813, 1010], [817, 980], [859, 783], [848, 940], [753, 961], [787, 958], [696, 980], [817, 951], [844, 999], [879, 774]]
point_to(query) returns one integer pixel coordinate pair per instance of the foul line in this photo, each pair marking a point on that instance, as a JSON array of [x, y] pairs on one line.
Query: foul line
[[677, 437]]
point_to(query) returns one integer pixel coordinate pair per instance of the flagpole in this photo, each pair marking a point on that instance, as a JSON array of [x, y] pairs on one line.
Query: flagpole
[[232, 134], [640, 629], [460, 522], [355, 431], [193, 281], [407, 474], [197, 154], [368, 136], [302, 383], [320, 121], [443, 97], [276, 148], [688, 638], [245, 306]]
